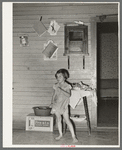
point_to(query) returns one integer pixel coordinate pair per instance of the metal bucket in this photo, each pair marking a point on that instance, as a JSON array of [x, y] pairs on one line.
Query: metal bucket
[[42, 111]]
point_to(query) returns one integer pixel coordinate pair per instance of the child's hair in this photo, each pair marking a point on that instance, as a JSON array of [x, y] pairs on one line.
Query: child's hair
[[64, 72]]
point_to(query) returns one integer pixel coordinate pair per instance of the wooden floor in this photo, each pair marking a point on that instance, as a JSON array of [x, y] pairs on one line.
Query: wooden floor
[[97, 138]]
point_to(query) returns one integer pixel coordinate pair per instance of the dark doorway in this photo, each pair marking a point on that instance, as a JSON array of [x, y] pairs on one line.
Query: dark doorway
[[107, 74]]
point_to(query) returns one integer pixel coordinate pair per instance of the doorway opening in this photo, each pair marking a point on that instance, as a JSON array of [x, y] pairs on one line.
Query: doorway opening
[[107, 74]]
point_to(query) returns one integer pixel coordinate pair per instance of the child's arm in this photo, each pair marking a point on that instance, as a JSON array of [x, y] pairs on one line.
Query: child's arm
[[52, 100], [66, 93], [54, 93]]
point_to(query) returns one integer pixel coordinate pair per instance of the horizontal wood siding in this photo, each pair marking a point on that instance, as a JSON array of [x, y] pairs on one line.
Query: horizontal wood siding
[[33, 77]]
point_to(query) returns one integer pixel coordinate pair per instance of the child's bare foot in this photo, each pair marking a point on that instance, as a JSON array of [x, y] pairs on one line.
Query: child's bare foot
[[59, 137], [75, 140]]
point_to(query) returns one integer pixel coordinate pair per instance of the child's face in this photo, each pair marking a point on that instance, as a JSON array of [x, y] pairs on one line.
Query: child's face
[[60, 77]]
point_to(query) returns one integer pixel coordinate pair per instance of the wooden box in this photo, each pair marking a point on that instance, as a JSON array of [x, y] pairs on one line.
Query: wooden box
[[39, 123]]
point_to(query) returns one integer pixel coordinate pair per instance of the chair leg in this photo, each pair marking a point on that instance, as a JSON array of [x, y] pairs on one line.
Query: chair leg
[[87, 114]]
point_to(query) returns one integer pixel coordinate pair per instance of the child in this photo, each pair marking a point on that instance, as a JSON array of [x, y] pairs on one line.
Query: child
[[60, 101]]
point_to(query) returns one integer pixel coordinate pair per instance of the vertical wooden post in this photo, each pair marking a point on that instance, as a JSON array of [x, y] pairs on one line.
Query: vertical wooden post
[[87, 114], [83, 62], [68, 62], [94, 68]]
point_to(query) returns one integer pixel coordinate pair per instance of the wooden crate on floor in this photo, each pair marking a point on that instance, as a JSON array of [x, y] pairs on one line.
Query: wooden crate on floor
[[39, 123]]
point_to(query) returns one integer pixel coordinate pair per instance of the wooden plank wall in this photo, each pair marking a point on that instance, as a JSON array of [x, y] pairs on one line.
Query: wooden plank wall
[[33, 77]]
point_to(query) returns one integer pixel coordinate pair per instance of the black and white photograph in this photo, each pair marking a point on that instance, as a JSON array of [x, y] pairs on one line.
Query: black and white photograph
[[61, 74]]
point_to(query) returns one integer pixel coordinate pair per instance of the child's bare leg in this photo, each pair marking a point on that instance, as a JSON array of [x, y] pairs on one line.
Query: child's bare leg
[[58, 116], [66, 117]]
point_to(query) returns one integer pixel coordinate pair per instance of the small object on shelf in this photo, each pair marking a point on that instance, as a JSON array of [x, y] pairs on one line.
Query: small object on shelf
[[77, 116], [78, 119], [79, 22], [81, 86]]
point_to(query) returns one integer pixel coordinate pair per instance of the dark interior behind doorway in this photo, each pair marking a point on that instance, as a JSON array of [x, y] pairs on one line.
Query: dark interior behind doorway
[[107, 73]]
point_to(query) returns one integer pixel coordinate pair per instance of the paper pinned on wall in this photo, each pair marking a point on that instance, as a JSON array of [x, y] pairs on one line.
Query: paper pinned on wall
[[50, 49], [53, 28], [53, 58], [24, 40], [39, 28]]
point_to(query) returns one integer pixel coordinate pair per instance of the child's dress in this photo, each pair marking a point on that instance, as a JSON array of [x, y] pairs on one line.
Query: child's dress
[[61, 101]]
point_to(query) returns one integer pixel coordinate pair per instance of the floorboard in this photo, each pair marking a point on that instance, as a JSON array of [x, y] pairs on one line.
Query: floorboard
[[104, 138]]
